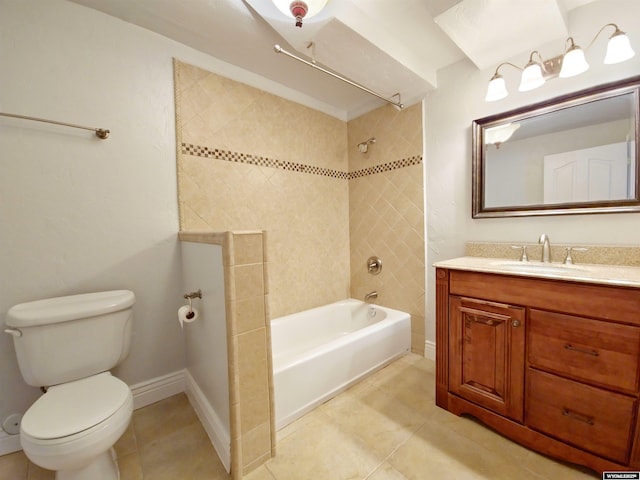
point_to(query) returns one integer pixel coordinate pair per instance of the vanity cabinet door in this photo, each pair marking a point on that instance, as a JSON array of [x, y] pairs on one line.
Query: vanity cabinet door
[[486, 354]]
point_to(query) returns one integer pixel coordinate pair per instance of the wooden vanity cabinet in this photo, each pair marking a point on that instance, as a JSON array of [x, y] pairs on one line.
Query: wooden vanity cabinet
[[552, 364], [486, 363]]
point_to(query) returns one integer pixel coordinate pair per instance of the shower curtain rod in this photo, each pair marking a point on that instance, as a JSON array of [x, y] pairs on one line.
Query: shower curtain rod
[[397, 104], [101, 133]]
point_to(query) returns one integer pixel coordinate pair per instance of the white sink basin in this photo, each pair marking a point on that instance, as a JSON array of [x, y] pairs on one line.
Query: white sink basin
[[538, 267]]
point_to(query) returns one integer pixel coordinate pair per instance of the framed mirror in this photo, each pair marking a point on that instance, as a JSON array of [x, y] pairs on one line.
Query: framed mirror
[[578, 153]]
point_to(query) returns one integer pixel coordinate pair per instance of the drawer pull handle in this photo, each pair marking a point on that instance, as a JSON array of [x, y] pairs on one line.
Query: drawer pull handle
[[568, 346], [577, 416]]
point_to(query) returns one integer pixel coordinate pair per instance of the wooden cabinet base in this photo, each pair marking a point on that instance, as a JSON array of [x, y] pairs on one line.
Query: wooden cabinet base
[[553, 365], [530, 438]]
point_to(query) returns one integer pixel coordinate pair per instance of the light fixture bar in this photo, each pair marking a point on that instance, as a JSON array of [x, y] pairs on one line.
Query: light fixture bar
[[398, 104], [570, 63]]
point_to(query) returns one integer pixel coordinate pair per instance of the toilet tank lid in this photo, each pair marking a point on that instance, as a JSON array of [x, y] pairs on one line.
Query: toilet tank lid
[[71, 307]]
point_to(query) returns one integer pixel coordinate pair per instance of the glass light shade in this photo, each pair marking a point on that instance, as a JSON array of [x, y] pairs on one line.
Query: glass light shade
[[573, 63], [619, 48], [497, 89], [531, 77], [313, 7]]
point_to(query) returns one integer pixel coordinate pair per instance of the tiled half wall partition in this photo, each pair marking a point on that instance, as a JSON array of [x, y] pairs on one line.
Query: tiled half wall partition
[[251, 414]]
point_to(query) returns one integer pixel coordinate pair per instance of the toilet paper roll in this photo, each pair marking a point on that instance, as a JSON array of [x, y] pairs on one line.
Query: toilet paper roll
[[187, 314]]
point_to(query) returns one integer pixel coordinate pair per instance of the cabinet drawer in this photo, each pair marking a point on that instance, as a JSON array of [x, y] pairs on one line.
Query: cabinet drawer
[[598, 352], [587, 417]]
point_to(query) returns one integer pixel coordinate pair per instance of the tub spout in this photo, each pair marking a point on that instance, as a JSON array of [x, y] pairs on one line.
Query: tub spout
[[370, 295]]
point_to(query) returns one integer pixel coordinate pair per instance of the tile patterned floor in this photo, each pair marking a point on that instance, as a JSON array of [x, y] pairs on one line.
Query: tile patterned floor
[[385, 428]]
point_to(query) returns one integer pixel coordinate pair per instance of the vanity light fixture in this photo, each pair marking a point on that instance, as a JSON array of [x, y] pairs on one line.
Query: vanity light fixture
[[573, 61], [532, 74], [569, 64], [300, 9]]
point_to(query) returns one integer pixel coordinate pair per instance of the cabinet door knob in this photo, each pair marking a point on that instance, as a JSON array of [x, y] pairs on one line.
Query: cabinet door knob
[[515, 323]]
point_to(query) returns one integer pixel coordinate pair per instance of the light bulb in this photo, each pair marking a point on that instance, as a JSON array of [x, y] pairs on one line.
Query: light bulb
[[619, 48], [573, 62], [497, 89], [531, 77]]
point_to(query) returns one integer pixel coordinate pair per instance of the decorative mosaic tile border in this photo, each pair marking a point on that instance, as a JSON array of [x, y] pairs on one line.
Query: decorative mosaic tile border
[[386, 167], [237, 157]]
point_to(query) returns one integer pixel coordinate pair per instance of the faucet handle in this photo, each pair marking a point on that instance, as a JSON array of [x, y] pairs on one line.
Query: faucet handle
[[568, 259], [523, 257]]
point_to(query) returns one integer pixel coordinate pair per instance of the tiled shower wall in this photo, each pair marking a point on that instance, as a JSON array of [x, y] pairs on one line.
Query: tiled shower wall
[[251, 160], [386, 212]]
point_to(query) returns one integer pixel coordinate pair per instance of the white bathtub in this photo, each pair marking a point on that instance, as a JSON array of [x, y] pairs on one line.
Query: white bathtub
[[320, 352]]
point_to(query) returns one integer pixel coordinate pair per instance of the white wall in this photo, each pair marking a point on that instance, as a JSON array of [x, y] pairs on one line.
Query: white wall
[[459, 100], [78, 214], [206, 342]]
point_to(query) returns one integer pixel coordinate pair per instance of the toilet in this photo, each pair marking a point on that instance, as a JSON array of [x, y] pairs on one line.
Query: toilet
[[68, 345]]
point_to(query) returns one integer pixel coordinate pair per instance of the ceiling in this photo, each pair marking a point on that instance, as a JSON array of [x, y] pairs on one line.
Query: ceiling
[[388, 46]]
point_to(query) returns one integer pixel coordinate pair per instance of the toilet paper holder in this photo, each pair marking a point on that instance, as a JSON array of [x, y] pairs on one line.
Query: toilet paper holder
[[190, 296]]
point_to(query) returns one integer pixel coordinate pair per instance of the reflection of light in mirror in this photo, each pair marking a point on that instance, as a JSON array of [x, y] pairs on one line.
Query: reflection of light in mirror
[[500, 134]]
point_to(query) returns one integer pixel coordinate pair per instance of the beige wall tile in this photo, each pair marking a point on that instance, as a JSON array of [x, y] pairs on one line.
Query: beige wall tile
[[249, 281], [387, 215], [306, 214], [250, 314], [254, 379], [256, 445], [247, 248]]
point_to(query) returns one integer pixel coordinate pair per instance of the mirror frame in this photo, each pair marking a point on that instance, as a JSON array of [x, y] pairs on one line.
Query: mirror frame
[[630, 85]]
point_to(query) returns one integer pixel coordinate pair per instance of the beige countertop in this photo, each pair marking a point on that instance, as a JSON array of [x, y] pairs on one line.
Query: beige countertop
[[587, 273]]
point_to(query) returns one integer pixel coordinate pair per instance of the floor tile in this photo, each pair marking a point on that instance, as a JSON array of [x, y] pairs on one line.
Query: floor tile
[[186, 452], [387, 427], [375, 417], [260, 473], [130, 467], [320, 450], [14, 465], [386, 472]]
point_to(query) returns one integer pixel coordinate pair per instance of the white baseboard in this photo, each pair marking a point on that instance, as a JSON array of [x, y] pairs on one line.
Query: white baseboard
[[430, 350], [159, 388], [9, 443], [217, 432]]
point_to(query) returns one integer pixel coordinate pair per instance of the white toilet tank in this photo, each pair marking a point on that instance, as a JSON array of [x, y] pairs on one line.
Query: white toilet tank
[[58, 340]]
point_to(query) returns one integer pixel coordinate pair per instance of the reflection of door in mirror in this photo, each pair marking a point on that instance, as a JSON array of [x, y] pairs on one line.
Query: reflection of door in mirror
[[587, 175]]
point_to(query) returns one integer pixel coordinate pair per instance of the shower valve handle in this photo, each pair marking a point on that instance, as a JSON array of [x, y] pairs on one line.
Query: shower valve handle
[[374, 265]]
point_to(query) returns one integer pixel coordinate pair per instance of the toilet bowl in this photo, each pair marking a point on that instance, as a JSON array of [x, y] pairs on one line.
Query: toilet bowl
[[71, 429], [69, 344]]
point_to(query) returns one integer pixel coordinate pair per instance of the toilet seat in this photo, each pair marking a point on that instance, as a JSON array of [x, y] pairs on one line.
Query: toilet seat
[[71, 408], [97, 411]]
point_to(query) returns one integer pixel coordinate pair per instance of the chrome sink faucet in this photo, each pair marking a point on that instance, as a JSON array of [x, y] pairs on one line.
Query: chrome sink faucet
[[546, 248]]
